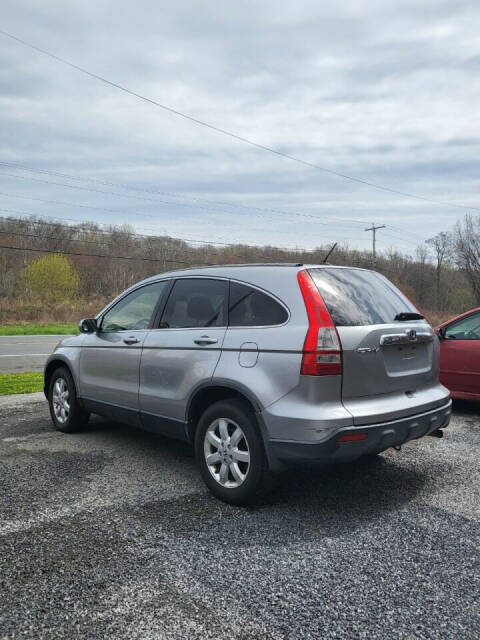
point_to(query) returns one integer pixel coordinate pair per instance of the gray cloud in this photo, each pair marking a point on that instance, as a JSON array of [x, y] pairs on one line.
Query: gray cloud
[[387, 92]]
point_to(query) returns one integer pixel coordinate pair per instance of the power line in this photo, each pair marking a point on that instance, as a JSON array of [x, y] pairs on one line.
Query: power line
[[331, 218], [116, 211], [95, 242], [60, 239], [132, 235], [98, 255], [228, 133], [108, 257], [78, 240], [92, 255], [124, 195], [406, 232], [208, 243], [99, 230], [318, 219], [110, 193], [171, 194], [398, 236], [136, 213], [44, 237], [59, 202], [78, 229]]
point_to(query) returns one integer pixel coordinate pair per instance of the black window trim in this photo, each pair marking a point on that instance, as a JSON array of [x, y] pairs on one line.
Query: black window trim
[[100, 317]]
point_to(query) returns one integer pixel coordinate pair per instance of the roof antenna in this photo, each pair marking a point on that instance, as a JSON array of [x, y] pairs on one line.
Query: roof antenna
[[330, 253]]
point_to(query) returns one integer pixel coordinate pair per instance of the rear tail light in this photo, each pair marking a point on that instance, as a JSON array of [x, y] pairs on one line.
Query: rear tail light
[[322, 352]]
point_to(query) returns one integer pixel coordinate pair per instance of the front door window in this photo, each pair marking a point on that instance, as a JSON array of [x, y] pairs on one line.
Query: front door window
[[135, 310]]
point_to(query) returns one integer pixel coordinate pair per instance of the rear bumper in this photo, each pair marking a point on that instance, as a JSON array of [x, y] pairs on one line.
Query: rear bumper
[[378, 438]]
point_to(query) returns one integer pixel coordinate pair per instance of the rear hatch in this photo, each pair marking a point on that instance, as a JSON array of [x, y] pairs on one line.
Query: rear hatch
[[389, 353]]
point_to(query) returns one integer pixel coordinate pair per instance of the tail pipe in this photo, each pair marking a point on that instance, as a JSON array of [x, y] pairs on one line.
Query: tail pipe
[[438, 433]]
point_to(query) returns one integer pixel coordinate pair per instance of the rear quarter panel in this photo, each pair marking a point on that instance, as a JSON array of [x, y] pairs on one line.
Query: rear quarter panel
[[256, 360], [266, 359]]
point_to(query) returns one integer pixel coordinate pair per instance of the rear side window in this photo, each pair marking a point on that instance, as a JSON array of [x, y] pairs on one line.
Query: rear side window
[[249, 307], [196, 302], [355, 297]]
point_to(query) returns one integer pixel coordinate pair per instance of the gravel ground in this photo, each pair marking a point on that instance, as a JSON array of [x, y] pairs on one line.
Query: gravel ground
[[111, 534]]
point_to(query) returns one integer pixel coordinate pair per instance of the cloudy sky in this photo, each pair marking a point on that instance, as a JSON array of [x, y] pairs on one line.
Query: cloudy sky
[[388, 92]]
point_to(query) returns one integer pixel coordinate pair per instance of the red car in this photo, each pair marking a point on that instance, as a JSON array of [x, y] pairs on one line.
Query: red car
[[460, 355]]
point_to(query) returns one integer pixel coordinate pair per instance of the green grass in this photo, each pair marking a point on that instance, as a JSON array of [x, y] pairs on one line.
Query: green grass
[[20, 382], [37, 329]]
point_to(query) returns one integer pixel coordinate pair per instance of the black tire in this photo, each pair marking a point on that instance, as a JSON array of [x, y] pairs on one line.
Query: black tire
[[77, 417], [258, 479]]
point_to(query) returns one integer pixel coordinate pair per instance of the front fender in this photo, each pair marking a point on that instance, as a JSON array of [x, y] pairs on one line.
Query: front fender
[[68, 356]]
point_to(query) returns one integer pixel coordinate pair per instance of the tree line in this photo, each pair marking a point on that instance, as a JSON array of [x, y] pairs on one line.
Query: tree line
[[443, 274]]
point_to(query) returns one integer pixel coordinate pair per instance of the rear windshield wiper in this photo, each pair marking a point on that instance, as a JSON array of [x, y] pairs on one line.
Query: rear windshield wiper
[[407, 315]]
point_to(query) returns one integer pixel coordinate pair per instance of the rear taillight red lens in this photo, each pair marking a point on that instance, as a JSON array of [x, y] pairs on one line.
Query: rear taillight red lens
[[322, 352]]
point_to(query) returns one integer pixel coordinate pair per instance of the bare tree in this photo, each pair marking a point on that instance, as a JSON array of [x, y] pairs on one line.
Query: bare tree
[[110, 259], [421, 278], [441, 244], [466, 239]]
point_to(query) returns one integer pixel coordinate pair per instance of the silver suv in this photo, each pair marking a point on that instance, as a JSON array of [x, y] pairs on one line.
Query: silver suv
[[260, 366]]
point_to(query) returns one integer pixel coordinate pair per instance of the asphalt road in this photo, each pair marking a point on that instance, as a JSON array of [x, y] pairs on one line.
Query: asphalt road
[[111, 534], [25, 353]]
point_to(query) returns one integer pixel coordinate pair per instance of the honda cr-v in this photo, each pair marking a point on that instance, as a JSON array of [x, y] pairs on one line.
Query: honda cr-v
[[258, 366]]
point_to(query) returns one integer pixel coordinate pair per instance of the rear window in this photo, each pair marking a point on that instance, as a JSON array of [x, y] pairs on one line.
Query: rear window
[[355, 297]]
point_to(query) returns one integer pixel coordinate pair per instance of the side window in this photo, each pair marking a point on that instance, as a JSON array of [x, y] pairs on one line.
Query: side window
[[135, 310], [249, 307], [196, 302], [465, 329]]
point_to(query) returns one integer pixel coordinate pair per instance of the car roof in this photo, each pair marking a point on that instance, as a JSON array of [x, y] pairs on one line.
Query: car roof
[[270, 276], [217, 269]]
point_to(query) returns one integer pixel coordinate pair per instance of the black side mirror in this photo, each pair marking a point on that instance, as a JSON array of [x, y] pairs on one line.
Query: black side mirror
[[88, 325], [441, 333]]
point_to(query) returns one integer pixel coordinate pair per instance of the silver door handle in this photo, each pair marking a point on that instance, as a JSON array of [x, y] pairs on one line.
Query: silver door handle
[[131, 340], [204, 340]]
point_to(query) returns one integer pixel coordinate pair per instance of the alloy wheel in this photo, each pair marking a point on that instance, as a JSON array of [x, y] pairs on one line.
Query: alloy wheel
[[226, 452], [61, 400]]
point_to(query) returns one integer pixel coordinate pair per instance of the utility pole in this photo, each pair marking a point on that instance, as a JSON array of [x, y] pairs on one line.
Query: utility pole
[[374, 228]]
